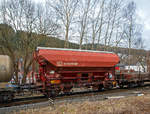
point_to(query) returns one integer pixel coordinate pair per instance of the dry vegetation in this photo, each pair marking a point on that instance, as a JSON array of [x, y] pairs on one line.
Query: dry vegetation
[[131, 105]]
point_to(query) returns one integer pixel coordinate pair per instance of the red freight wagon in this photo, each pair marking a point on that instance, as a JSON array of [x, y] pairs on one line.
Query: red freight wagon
[[63, 69]]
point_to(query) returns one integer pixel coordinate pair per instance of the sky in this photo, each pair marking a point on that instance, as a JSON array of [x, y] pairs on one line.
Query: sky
[[143, 11]]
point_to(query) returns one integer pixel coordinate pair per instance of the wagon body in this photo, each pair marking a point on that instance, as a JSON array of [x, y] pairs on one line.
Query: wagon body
[[67, 68]]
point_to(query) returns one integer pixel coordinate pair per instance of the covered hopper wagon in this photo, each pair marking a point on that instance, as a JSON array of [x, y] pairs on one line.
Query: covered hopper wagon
[[62, 69]]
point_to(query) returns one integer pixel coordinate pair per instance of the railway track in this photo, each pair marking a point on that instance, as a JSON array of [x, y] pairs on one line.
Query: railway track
[[41, 101]]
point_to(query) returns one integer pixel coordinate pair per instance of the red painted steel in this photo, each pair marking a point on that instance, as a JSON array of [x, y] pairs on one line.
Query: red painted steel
[[69, 58]]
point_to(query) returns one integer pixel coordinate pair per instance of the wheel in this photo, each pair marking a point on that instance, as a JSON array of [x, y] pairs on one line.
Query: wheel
[[50, 94], [95, 88], [67, 90], [6, 97], [121, 86], [140, 84], [100, 88], [131, 85]]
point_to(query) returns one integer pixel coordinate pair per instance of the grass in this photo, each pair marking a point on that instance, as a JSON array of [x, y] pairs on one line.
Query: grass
[[130, 105]]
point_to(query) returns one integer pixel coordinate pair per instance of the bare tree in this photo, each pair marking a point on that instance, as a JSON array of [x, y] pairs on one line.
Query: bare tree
[[46, 23], [25, 18], [101, 23], [112, 18], [109, 15], [139, 44], [130, 26], [65, 10], [85, 9], [21, 16], [97, 21], [115, 17], [83, 19]]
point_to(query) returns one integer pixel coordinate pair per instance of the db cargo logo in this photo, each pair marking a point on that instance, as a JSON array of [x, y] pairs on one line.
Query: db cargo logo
[[60, 63]]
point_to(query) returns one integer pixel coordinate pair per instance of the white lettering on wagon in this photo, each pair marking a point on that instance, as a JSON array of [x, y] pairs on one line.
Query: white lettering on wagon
[[71, 64], [60, 63]]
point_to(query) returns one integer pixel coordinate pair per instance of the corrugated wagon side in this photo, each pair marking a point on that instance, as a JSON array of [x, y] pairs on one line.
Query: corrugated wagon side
[[63, 69]]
